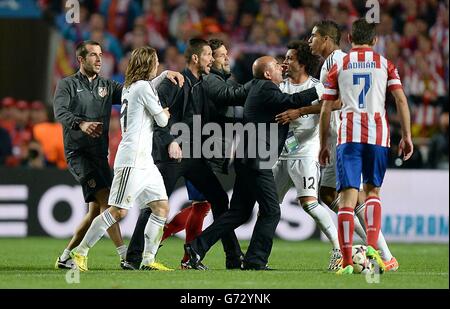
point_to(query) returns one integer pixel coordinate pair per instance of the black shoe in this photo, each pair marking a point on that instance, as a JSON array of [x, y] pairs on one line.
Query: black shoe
[[234, 262], [252, 266], [194, 258], [128, 265]]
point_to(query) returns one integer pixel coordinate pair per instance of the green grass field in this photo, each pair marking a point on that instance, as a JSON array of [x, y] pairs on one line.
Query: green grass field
[[28, 263]]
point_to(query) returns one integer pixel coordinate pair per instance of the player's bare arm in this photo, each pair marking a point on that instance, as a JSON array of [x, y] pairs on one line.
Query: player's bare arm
[[324, 122], [406, 145]]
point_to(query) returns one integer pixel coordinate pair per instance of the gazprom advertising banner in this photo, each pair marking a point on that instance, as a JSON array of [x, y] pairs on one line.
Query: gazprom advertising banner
[[49, 202]]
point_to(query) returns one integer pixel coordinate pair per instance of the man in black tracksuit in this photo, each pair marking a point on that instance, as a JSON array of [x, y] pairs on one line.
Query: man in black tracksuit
[[82, 104], [254, 178]]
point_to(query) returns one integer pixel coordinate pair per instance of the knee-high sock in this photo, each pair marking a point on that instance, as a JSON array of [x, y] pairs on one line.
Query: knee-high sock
[[178, 223], [152, 237], [372, 216], [97, 229], [359, 224], [324, 221], [360, 227], [345, 231], [386, 254], [194, 223]]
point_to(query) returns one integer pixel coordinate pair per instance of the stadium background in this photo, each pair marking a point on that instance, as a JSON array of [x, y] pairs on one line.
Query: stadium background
[[39, 197]]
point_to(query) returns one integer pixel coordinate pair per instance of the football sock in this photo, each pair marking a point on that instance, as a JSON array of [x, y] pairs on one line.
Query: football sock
[[386, 254], [324, 221], [345, 231], [194, 223], [65, 255], [97, 229], [122, 251], [178, 223], [360, 228], [152, 235], [373, 220], [335, 204]]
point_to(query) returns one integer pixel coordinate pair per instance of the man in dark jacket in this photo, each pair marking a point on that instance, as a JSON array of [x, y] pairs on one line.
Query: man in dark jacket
[[254, 178], [82, 104]]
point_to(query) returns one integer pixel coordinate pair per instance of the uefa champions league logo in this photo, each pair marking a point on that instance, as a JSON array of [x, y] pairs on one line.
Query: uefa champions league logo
[[73, 12]]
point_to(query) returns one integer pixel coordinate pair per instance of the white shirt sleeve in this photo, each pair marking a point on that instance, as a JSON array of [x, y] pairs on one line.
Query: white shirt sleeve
[[157, 80], [320, 89], [153, 105]]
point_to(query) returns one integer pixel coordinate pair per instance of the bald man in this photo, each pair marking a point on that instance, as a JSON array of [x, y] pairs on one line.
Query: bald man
[[259, 151]]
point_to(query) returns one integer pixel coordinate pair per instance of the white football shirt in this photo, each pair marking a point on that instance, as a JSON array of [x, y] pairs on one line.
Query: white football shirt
[[334, 57], [305, 128], [140, 104]]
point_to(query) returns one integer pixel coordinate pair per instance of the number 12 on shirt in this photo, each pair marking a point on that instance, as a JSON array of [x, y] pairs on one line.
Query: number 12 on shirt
[[366, 81]]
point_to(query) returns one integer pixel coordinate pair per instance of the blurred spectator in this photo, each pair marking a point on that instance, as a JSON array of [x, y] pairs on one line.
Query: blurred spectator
[[157, 24], [49, 135], [119, 15], [5, 146], [34, 157], [108, 41], [439, 151], [38, 113]]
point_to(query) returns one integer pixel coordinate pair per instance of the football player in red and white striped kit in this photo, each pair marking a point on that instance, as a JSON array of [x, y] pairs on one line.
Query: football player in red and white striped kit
[[360, 80]]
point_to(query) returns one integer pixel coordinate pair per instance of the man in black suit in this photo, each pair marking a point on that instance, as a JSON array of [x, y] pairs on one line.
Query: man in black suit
[[254, 178]]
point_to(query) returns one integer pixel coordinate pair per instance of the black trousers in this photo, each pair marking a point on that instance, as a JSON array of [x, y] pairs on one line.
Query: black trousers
[[251, 185], [201, 176]]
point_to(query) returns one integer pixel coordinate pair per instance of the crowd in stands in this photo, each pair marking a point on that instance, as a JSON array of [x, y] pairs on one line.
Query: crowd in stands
[[413, 34]]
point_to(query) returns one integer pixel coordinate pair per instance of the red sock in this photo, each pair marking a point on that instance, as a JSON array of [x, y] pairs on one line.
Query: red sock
[[178, 223], [372, 216], [346, 226], [194, 223]]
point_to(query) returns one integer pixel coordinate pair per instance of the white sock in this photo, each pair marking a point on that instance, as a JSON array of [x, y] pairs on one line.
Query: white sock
[[335, 204], [65, 255], [152, 234], [360, 227], [122, 251], [324, 221], [97, 229], [386, 254]]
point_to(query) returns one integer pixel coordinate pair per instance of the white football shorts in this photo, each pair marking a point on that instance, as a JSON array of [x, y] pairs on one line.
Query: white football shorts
[[303, 174], [134, 186]]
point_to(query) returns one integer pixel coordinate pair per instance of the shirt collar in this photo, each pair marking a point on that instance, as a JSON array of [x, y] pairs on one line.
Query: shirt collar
[[361, 49]]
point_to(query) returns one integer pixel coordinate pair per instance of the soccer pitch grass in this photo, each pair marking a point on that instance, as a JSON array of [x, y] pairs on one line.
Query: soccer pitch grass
[[28, 263]]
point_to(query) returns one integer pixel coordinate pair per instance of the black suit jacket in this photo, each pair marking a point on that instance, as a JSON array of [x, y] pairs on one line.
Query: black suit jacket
[[264, 101]]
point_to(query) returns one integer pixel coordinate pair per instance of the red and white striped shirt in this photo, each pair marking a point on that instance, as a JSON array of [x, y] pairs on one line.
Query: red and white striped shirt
[[360, 79]]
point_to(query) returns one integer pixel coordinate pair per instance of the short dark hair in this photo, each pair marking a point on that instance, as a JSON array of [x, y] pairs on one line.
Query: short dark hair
[[331, 29], [363, 32], [215, 44], [195, 47], [305, 56], [81, 48]]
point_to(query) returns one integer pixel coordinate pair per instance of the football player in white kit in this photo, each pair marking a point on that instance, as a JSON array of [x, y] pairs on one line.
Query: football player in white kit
[[298, 164], [324, 41], [137, 180]]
